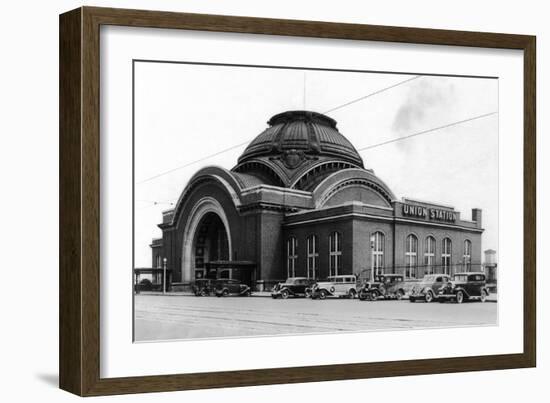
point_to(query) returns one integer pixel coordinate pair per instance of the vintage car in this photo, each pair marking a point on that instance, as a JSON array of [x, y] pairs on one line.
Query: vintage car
[[226, 287], [387, 286], [203, 287], [464, 287], [292, 287], [427, 289], [335, 286]]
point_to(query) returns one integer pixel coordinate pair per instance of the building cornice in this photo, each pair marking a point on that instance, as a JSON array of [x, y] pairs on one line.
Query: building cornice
[[382, 218]]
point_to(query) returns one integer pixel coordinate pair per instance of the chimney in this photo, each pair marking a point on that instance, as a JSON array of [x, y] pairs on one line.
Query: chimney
[[476, 216]]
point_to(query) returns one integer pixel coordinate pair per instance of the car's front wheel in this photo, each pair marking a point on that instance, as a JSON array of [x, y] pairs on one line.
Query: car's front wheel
[[351, 294], [483, 296], [459, 297], [284, 294], [225, 293], [322, 294], [400, 294], [429, 297]]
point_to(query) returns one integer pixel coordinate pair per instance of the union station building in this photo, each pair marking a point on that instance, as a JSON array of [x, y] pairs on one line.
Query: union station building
[[299, 202]]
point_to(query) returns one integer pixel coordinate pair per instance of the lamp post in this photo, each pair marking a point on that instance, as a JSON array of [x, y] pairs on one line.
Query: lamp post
[[164, 275]]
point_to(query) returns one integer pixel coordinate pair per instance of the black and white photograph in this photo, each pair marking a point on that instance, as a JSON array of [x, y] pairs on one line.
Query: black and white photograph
[[274, 201]]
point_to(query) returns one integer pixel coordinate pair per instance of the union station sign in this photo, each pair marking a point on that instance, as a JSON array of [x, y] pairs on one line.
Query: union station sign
[[427, 213]]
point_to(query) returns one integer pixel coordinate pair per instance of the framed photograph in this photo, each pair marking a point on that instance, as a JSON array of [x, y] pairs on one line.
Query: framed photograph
[[249, 201]]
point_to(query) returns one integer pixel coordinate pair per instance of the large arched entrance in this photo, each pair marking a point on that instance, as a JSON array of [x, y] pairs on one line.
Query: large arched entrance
[[206, 239], [210, 246]]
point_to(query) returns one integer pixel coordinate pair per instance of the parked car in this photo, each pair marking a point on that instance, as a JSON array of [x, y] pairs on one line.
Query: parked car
[[464, 287], [335, 286], [387, 286], [203, 287], [292, 287], [144, 285], [427, 289], [226, 287]]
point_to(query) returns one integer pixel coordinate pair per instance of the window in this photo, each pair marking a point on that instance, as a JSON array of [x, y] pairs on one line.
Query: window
[[446, 255], [292, 256], [411, 256], [158, 262], [467, 256], [335, 253], [312, 256], [429, 254], [378, 252]]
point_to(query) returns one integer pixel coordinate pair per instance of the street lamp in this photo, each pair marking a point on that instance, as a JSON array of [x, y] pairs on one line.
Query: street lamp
[[164, 275]]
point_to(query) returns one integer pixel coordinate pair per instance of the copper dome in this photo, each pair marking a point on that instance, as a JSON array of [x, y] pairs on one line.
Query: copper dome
[[303, 133]]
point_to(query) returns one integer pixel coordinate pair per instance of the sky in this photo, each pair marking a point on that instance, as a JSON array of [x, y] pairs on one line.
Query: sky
[[185, 113]]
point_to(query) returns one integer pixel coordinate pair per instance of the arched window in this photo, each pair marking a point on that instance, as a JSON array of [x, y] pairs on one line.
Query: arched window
[[378, 247], [312, 256], [335, 253], [446, 250], [429, 254], [467, 256], [292, 256], [411, 256]]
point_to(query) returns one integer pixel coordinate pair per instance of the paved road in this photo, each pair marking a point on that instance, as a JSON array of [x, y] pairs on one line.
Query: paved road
[[182, 317]]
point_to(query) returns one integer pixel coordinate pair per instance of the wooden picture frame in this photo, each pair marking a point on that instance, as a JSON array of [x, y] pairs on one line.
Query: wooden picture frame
[[79, 283]]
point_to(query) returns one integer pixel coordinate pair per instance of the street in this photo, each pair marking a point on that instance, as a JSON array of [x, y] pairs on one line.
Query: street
[[168, 317]]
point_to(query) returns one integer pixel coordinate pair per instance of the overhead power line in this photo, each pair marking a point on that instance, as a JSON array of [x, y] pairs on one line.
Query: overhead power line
[[426, 131], [193, 162], [371, 94]]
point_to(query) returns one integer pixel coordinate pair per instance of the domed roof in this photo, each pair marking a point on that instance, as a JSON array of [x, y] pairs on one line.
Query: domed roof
[[298, 135]]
